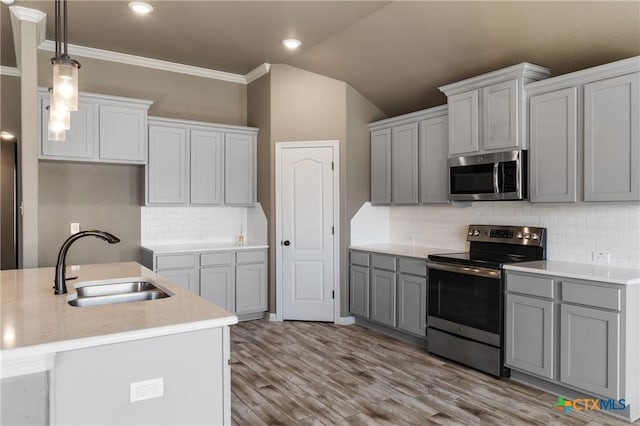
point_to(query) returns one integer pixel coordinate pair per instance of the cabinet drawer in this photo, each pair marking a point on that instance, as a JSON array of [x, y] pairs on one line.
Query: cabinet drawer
[[174, 261], [412, 266], [359, 258], [534, 286], [591, 295], [382, 261], [251, 256], [217, 258]]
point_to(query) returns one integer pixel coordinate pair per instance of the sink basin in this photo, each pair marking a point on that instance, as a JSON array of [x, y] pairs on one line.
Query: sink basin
[[109, 292]]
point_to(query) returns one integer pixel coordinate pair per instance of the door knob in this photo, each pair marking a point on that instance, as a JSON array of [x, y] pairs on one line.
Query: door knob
[[286, 243]]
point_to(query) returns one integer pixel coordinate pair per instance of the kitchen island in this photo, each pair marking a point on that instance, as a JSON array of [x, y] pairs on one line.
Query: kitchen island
[[161, 361]]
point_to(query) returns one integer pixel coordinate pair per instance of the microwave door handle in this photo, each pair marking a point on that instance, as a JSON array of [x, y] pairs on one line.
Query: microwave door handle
[[496, 183]]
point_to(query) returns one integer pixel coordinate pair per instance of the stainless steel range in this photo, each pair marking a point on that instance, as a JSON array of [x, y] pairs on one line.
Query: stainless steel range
[[465, 320]]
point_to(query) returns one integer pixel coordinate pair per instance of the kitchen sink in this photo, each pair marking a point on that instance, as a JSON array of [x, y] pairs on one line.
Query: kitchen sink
[[108, 292]]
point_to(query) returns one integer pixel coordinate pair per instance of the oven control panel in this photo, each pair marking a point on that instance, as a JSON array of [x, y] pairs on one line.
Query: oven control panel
[[523, 235]]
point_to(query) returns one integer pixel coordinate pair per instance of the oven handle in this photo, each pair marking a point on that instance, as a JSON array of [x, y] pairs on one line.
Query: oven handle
[[467, 270]]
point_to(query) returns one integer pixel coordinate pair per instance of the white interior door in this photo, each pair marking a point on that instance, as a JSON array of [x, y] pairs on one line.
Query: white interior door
[[307, 236]]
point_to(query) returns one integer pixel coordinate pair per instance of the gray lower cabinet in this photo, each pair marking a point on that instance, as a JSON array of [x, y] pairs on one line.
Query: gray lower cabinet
[[580, 327], [383, 297], [409, 158], [196, 163], [590, 349], [217, 285], [530, 335], [389, 290], [412, 303], [359, 290], [235, 280]]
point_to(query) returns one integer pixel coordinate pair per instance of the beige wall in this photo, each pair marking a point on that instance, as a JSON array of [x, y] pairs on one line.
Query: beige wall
[[355, 172], [98, 196], [10, 104], [296, 105], [108, 197]]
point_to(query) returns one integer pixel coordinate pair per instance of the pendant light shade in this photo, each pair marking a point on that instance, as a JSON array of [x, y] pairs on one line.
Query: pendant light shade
[[64, 94], [65, 85]]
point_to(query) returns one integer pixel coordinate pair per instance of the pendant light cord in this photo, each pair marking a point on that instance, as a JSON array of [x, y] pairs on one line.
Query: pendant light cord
[[66, 30]]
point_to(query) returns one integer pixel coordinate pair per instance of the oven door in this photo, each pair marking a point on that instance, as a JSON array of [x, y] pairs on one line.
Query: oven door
[[466, 301]]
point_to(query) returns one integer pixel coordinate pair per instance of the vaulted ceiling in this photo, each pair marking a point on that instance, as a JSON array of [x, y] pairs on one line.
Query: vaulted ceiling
[[395, 53]]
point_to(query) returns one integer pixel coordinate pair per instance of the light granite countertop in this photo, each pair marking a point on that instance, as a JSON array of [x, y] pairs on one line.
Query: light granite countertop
[[36, 323], [603, 273], [421, 252], [197, 247]]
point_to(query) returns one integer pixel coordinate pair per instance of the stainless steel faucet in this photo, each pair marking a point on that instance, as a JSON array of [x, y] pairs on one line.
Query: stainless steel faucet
[[60, 280]]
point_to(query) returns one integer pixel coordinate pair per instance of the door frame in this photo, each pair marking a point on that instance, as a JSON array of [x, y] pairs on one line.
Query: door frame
[[280, 147]]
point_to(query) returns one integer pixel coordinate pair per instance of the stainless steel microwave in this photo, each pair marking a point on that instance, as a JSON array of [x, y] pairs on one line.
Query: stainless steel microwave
[[494, 176]]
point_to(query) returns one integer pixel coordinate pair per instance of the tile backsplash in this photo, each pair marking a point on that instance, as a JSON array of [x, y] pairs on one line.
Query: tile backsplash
[[574, 231], [166, 225]]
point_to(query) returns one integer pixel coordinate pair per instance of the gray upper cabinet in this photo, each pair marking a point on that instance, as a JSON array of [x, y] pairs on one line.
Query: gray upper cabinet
[[433, 149], [408, 158], [167, 168], [487, 112], [404, 164], [107, 129], [207, 171], [240, 169], [381, 166], [585, 128], [612, 139], [553, 146], [195, 163], [80, 139], [123, 134]]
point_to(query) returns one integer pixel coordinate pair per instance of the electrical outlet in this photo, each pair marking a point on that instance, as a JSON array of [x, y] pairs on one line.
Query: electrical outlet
[[600, 257], [75, 228]]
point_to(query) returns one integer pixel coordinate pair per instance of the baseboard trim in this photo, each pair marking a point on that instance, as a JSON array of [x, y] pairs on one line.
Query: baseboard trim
[[271, 316]]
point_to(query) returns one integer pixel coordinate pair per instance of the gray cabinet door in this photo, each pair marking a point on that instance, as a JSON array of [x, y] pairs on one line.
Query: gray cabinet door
[[217, 285], [500, 111], [207, 170], [412, 304], [185, 278], [612, 139], [239, 169], [404, 164], [359, 291], [251, 288], [123, 134], [553, 146], [167, 168], [529, 338], [80, 139], [463, 122], [433, 149], [590, 350], [383, 297], [381, 167]]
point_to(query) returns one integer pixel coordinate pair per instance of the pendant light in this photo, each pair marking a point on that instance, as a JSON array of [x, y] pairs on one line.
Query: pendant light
[[64, 96]]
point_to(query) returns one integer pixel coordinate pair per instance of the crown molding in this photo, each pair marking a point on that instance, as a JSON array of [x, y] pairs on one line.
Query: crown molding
[[18, 14], [257, 72], [125, 58], [412, 117], [10, 71]]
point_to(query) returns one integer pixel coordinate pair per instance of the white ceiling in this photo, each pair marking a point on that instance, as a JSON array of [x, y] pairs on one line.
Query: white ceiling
[[395, 53]]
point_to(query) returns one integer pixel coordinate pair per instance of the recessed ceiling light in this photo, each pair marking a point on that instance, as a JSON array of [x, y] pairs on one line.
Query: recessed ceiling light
[[7, 1], [7, 136], [291, 43], [140, 7]]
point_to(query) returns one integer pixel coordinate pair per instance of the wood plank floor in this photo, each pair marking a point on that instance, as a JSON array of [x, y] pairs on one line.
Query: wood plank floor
[[307, 373]]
